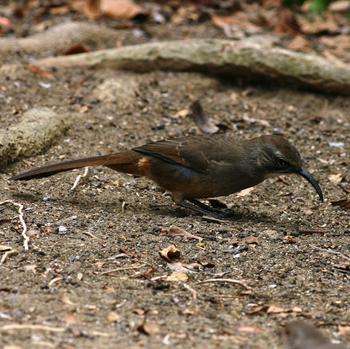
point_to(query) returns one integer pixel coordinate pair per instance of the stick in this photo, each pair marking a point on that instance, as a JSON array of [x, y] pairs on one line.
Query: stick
[[230, 281], [21, 219]]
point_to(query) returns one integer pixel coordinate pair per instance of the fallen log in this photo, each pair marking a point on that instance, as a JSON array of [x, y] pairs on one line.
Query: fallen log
[[217, 56]]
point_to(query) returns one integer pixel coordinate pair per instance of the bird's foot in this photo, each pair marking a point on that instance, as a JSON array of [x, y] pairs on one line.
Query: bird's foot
[[205, 210]]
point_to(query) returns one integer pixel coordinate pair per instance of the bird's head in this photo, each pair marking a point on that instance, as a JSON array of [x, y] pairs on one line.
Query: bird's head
[[277, 156]]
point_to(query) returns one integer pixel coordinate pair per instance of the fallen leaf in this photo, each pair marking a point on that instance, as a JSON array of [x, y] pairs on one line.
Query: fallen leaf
[[344, 203], [182, 113], [299, 43], [339, 6], [177, 231], [177, 276], [344, 330], [251, 240], [65, 299], [330, 56], [278, 310], [5, 23], [202, 120], [41, 72], [113, 317], [239, 20], [148, 329], [319, 24], [70, 319], [139, 311], [90, 8], [170, 253], [120, 9], [286, 23], [336, 178]]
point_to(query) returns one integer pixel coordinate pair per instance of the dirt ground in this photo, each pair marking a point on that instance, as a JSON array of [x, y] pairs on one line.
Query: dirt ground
[[118, 223]]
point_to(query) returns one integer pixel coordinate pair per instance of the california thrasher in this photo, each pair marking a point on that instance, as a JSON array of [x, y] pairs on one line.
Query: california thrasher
[[197, 167]]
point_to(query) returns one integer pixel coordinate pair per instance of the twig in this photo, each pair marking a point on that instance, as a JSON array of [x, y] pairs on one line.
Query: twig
[[77, 180], [138, 266], [312, 231], [21, 219], [54, 280], [31, 327], [230, 281], [91, 235], [193, 291], [12, 327], [123, 206], [332, 252], [7, 254]]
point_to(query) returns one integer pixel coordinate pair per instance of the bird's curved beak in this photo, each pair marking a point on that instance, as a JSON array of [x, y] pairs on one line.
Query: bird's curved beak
[[308, 176]]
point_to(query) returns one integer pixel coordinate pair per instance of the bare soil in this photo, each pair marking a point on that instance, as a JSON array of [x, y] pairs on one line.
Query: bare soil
[[117, 222]]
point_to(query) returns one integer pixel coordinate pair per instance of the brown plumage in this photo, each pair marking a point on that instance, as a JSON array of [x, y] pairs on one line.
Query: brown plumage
[[197, 167]]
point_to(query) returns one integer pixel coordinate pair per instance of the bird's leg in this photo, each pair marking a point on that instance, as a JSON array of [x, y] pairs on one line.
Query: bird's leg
[[203, 209]]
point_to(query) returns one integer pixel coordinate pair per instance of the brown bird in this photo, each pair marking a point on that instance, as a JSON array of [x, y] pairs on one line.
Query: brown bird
[[198, 167], [302, 335]]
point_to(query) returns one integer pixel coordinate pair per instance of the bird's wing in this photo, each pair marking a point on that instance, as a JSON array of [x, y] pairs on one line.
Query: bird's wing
[[194, 152]]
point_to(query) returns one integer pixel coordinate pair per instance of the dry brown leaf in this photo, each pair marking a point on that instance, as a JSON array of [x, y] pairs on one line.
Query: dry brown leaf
[[70, 319], [177, 231], [344, 203], [65, 299], [148, 329], [325, 23], [116, 9], [182, 113], [299, 43], [336, 178], [339, 6], [344, 330], [250, 329], [170, 253], [239, 19], [139, 311], [120, 9], [90, 8], [113, 317], [250, 240], [286, 23], [41, 72], [177, 276], [278, 310], [202, 119]]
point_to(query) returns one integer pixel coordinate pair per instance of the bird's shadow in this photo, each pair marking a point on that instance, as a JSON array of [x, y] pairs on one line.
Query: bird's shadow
[[239, 216]]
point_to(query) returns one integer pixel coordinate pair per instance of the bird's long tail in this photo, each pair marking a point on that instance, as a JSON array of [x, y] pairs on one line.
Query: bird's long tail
[[123, 162]]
